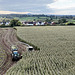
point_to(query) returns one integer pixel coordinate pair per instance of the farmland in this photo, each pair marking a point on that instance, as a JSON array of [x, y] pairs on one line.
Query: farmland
[[2, 52], [31, 18], [56, 55], [7, 39], [2, 56]]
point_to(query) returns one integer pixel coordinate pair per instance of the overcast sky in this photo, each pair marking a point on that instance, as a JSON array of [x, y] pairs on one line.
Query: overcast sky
[[59, 7]]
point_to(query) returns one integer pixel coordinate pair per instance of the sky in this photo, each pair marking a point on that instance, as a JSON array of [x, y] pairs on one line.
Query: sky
[[52, 7]]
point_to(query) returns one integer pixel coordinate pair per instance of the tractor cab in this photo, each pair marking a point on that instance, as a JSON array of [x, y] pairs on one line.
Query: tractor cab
[[15, 55]]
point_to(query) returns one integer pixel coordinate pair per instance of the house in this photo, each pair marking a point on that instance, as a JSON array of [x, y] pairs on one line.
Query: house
[[40, 23], [1, 23], [29, 23], [7, 23], [33, 23], [37, 23], [52, 23]]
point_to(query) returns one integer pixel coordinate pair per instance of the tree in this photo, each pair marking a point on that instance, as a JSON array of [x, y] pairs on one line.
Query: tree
[[73, 18], [63, 20], [15, 22], [4, 21], [48, 20]]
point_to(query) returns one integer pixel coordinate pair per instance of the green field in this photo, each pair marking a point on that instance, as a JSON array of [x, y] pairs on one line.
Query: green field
[[57, 54], [31, 18], [71, 20]]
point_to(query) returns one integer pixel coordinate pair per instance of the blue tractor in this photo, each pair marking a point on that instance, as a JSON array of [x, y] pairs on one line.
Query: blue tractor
[[15, 54]]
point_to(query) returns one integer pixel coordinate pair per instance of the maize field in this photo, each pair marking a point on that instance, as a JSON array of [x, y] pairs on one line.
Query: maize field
[[56, 55]]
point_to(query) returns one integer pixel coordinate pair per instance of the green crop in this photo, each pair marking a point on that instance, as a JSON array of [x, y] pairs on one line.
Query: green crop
[[56, 55]]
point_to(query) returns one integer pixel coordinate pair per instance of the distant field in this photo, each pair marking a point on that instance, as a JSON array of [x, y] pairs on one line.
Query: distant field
[[31, 18], [57, 54], [70, 20]]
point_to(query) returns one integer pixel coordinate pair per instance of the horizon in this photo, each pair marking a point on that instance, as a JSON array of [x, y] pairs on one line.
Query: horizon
[[36, 14], [50, 7]]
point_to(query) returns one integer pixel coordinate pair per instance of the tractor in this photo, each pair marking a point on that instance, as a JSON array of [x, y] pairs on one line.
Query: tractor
[[15, 53]]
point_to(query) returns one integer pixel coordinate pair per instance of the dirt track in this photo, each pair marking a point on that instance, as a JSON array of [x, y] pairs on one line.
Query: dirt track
[[8, 38]]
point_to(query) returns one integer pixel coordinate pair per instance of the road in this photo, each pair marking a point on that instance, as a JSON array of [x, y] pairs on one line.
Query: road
[[8, 38]]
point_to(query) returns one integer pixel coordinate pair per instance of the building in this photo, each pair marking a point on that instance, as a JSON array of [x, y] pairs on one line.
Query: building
[[33, 23]]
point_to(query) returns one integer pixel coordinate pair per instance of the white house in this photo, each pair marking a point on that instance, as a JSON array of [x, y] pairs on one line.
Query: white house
[[37, 23], [1, 23], [7, 23]]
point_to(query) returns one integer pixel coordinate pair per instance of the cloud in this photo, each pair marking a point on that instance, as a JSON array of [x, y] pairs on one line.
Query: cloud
[[34, 6], [62, 4], [65, 7], [11, 12], [38, 6]]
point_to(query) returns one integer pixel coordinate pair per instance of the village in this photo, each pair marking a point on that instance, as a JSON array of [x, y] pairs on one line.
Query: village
[[30, 23], [36, 20], [37, 23]]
